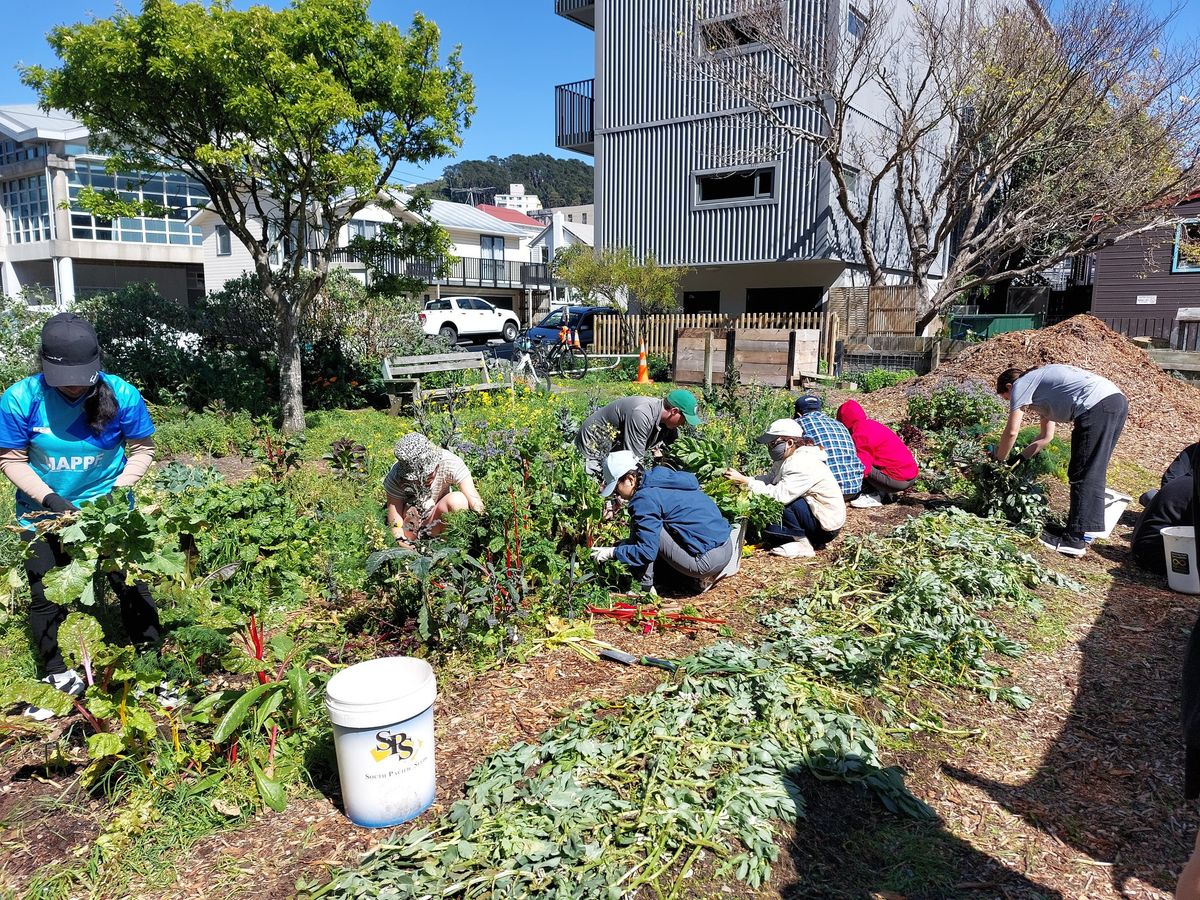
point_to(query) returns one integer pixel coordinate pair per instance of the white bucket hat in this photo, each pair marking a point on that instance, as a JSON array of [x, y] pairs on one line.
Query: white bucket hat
[[786, 428], [615, 467]]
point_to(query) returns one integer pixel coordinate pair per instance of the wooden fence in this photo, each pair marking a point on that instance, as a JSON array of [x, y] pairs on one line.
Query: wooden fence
[[876, 310], [659, 330]]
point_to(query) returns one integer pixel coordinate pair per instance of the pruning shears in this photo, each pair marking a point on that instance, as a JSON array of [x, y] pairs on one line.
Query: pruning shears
[[628, 659]]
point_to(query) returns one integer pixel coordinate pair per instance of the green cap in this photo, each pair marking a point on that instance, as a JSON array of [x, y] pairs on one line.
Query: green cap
[[685, 402]]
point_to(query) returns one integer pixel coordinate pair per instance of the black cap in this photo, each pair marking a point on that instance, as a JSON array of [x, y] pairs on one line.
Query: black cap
[[808, 403], [70, 352]]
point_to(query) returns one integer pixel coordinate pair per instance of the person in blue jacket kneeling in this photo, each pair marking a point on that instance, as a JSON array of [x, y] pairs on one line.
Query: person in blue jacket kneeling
[[672, 521]]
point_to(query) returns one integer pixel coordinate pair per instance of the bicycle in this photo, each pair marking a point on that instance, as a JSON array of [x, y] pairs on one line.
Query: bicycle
[[523, 367], [561, 357]]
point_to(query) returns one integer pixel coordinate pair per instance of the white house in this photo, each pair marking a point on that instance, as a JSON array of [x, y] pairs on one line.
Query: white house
[[557, 236], [48, 242], [492, 256]]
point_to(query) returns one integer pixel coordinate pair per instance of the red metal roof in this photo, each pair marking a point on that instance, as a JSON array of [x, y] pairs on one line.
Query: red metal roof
[[510, 215]]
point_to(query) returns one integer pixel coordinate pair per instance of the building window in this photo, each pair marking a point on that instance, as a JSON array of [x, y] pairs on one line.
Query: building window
[[583, 218], [856, 22], [15, 151], [174, 191], [783, 299], [736, 186], [368, 231], [701, 301], [743, 30], [1187, 248], [224, 245], [853, 179], [27, 209], [491, 251]]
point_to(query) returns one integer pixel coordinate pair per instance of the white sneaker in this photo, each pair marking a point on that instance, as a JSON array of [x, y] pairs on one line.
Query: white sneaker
[[69, 682], [794, 549], [866, 501]]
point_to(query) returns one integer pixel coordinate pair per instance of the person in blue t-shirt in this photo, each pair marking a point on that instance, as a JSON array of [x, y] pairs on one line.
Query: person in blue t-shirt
[[67, 436]]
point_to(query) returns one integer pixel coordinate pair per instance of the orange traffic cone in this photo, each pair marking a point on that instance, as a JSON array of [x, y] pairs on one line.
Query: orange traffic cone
[[643, 369], [575, 339]]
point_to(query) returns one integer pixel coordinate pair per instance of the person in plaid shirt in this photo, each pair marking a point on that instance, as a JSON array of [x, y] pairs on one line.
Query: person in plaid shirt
[[834, 438]]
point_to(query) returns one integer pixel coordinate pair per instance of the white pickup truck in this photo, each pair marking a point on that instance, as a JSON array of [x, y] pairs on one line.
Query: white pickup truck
[[460, 317]]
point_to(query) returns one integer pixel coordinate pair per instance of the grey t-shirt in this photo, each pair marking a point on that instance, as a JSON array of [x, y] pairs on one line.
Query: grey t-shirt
[[631, 423], [1060, 393]]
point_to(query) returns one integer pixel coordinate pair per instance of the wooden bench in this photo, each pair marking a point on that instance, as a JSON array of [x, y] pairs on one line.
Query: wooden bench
[[402, 377]]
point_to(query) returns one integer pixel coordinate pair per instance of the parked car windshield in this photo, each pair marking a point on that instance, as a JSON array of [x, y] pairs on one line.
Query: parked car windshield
[[555, 319]]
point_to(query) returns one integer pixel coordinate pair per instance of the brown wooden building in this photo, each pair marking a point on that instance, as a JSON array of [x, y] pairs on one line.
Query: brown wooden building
[[1142, 283]]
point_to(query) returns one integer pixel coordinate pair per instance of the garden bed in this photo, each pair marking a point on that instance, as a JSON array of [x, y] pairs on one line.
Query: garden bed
[[1029, 802]]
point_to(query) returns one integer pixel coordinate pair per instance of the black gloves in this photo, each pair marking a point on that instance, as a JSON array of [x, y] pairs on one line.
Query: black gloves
[[55, 503]]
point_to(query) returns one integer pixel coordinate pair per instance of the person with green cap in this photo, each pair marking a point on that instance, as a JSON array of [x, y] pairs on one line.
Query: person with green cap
[[641, 425]]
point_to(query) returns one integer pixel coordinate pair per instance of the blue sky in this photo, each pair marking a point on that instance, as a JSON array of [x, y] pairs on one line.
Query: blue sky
[[517, 50]]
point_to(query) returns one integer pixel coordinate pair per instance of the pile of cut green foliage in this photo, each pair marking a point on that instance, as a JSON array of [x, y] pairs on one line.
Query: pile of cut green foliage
[[634, 793]]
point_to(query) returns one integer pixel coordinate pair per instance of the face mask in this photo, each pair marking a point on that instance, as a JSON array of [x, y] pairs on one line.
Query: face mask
[[778, 451]]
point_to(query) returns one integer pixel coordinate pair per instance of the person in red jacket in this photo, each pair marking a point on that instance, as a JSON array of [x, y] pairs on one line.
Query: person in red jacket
[[889, 465]]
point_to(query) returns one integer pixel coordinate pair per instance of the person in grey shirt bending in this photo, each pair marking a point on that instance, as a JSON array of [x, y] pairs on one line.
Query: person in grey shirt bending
[[1097, 408], [637, 424]]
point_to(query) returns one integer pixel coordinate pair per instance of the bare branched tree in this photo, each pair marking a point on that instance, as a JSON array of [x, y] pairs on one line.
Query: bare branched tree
[[979, 142]]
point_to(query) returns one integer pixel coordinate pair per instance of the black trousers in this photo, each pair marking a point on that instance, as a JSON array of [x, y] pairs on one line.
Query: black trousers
[[138, 611], [798, 521], [1092, 442]]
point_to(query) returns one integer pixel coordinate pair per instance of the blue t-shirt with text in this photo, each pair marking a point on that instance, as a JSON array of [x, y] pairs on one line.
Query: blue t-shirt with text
[[75, 463]]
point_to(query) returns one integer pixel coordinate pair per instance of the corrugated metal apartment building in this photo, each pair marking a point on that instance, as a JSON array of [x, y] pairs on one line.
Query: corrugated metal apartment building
[[759, 235]]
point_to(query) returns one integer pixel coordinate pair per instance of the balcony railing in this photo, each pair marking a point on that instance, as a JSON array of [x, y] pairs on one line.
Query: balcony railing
[[574, 116], [468, 271], [581, 11]]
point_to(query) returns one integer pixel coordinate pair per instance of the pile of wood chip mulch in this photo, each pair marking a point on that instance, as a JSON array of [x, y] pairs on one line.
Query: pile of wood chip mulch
[[1164, 412]]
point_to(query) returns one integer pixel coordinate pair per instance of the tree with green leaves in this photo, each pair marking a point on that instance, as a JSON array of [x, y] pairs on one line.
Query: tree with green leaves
[[616, 278], [293, 121]]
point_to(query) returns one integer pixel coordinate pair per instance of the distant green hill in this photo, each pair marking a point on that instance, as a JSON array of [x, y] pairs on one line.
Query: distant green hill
[[557, 182]]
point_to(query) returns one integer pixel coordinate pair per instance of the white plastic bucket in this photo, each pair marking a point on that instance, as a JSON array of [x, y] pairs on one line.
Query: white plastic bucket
[[1115, 504], [1179, 545], [382, 714]]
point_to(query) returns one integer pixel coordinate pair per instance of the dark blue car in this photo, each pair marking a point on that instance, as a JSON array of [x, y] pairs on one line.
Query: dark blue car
[[582, 318]]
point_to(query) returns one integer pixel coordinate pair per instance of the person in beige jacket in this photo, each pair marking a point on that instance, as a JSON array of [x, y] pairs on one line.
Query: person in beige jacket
[[814, 510]]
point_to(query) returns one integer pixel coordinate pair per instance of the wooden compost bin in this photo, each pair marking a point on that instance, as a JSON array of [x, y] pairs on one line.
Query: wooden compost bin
[[772, 356]]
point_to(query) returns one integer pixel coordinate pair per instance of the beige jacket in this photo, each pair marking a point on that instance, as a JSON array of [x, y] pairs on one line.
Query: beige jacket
[[805, 474]]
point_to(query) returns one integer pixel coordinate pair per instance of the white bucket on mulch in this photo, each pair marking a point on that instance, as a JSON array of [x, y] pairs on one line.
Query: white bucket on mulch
[[1179, 545], [382, 714], [1115, 504]]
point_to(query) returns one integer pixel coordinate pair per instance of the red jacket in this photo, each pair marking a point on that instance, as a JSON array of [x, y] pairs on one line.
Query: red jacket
[[877, 445]]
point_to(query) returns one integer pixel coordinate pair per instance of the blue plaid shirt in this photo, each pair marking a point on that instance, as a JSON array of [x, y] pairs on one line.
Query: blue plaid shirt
[[834, 438]]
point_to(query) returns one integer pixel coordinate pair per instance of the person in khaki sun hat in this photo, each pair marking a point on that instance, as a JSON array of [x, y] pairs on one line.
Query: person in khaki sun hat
[[814, 510], [418, 488], [641, 425]]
